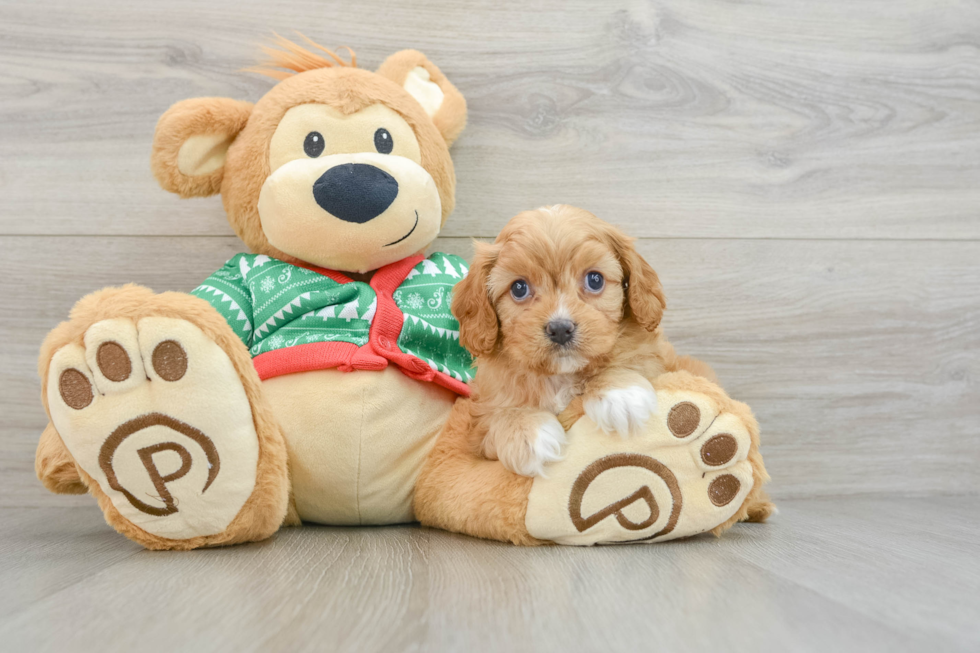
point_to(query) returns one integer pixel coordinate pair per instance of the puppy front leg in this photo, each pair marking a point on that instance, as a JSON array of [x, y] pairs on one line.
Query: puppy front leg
[[523, 439], [620, 401]]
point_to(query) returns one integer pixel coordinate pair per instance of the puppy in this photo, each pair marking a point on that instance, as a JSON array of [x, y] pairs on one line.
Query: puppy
[[561, 313]]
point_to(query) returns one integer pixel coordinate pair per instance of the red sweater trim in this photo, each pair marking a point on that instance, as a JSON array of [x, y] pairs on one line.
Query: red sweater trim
[[382, 345]]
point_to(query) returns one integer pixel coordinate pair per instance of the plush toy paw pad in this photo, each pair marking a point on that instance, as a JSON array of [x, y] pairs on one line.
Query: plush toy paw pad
[[683, 419], [684, 473], [156, 414]]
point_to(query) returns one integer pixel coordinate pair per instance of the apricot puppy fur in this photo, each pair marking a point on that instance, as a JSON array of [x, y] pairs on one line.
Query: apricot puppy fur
[[563, 316]]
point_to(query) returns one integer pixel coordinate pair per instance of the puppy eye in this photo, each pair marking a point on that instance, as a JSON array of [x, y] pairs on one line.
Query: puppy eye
[[382, 141], [594, 281], [313, 145], [520, 290]]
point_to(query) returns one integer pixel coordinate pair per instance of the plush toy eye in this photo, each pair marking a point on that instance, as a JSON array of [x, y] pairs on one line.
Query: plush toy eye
[[594, 281], [313, 145], [382, 141], [520, 290]]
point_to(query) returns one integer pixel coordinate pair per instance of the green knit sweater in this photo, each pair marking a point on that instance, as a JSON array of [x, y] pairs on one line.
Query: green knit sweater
[[298, 319]]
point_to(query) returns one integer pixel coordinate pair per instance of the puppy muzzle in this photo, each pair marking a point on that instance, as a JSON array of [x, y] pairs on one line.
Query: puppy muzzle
[[560, 332]]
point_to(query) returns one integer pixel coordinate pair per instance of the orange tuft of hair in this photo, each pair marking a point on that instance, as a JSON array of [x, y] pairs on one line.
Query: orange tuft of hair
[[295, 58]]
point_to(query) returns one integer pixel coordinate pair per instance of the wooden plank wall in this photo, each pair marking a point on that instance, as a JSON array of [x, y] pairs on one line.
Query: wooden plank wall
[[805, 176]]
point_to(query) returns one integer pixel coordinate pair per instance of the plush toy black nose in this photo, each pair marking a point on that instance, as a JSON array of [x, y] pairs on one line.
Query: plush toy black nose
[[560, 331], [355, 192]]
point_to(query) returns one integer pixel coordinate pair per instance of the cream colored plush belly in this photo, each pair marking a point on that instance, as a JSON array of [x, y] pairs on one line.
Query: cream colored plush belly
[[357, 441]]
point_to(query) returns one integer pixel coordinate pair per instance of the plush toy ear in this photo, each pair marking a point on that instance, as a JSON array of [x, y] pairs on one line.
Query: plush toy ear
[[478, 324], [191, 143], [426, 83]]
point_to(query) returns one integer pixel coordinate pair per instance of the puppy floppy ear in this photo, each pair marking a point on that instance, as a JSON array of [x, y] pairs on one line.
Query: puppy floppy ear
[[191, 143], [425, 82], [644, 294], [478, 324]]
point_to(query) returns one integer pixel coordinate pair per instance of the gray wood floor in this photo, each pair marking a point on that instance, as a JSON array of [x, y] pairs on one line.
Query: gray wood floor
[[805, 176], [834, 574]]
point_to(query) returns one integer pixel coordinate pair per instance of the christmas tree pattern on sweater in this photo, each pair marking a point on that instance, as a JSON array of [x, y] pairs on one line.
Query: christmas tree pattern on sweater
[[430, 331], [272, 305]]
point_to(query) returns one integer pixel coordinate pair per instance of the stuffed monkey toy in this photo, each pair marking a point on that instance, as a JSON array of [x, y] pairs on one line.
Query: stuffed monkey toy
[[310, 379]]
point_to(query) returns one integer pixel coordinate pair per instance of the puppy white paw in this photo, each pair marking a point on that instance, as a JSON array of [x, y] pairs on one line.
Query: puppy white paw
[[527, 454], [547, 447], [622, 410]]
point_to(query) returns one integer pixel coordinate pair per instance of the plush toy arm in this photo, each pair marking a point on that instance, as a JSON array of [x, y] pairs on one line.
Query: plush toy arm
[[572, 413], [54, 465]]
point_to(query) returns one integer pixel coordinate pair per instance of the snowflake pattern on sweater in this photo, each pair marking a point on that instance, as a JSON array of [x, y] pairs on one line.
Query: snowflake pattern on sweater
[[272, 305]]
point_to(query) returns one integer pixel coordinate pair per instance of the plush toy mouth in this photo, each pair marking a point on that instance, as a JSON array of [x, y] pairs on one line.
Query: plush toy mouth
[[410, 231]]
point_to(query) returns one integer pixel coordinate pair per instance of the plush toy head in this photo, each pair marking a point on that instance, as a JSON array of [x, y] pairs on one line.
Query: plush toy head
[[335, 166]]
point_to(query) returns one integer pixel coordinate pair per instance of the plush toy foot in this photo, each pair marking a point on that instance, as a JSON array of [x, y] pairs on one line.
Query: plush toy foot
[[690, 470], [157, 418]]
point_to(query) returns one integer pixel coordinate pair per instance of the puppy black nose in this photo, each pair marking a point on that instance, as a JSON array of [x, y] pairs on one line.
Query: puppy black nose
[[560, 331], [355, 192]]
